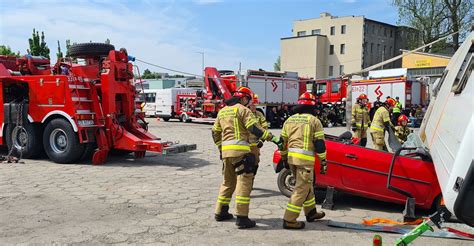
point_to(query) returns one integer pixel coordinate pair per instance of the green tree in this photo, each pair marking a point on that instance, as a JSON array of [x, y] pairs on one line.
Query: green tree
[[60, 53], [460, 16], [7, 51], [277, 64], [38, 46]]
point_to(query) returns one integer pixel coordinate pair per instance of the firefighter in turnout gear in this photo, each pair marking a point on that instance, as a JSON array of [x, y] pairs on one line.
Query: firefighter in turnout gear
[[255, 143], [381, 123], [402, 131], [302, 136], [360, 119], [231, 133]]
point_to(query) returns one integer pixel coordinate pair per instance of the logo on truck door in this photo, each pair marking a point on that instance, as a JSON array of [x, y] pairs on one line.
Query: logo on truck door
[[274, 85], [378, 92]]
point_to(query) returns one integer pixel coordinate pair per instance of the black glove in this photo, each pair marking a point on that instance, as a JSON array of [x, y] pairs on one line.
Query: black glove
[[324, 167], [259, 144], [285, 164], [354, 127]]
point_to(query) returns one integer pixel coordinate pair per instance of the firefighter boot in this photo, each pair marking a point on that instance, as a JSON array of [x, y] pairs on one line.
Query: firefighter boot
[[293, 225], [314, 215], [224, 215], [243, 222]]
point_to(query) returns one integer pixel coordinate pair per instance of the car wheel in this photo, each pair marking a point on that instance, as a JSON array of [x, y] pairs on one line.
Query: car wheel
[[166, 119], [286, 182], [61, 143], [24, 141]]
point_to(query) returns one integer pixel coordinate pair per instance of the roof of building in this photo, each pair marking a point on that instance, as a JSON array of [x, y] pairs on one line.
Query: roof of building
[[335, 17]]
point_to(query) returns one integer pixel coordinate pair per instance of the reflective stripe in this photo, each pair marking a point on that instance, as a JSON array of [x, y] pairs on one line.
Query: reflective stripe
[[265, 135], [217, 128], [360, 125], [301, 156], [376, 128], [319, 134], [250, 122], [242, 200], [301, 151], [219, 143], [306, 137], [223, 200], [309, 203], [236, 147], [293, 208], [253, 144], [322, 156]]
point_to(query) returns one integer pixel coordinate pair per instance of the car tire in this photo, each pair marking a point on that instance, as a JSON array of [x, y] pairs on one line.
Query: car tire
[[90, 49], [26, 135], [286, 182], [61, 143], [166, 119]]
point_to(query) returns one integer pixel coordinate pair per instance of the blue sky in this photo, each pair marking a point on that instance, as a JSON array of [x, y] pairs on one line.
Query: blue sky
[[170, 33]]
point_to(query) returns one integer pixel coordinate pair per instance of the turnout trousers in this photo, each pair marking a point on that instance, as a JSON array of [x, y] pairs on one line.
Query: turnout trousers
[[241, 184], [303, 194]]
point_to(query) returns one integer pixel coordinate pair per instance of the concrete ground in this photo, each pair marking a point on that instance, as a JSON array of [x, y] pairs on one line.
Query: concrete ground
[[164, 201]]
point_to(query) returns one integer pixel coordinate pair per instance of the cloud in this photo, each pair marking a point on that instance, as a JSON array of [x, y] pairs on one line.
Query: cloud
[[157, 32]]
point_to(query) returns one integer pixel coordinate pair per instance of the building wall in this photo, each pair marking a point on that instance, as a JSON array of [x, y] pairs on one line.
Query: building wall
[[304, 55], [417, 60], [379, 43], [352, 40]]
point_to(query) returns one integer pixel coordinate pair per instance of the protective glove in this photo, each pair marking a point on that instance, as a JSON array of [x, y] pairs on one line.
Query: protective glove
[[276, 140], [285, 164], [324, 167], [259, 144], [354, 127]]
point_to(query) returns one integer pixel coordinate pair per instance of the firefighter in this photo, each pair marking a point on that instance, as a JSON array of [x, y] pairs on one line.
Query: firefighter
[[255, 143], [381, 123], [397, 111], [402, 131], [302, 136], [231, 132], [361, 119]]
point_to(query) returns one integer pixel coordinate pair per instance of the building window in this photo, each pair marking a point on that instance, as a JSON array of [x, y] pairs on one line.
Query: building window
[[341, 72], [373, 29], [331, 49], [331, 71], [316, 31], [301, 33], [343, 29], [371, 47], [378, 48], [391, 33], [385, 32], [343, 48], [333, 30], [391, 51]]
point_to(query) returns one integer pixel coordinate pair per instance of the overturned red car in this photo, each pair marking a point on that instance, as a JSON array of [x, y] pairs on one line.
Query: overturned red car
[[370, 173]]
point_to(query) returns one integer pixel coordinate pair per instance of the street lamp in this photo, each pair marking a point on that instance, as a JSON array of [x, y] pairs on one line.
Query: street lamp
[[202, 64]]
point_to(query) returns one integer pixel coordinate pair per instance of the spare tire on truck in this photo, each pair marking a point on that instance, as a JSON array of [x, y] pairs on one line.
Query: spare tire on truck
[[24, 141], [89, 49]]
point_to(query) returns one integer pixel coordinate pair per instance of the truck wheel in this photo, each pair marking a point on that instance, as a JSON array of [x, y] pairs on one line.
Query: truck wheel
[[286, 182], [166, 119], [61, 143], [24, 140], [90, 49]]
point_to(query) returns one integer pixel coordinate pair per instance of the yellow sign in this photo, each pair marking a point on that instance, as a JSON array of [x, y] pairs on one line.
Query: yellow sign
[[423, 63]]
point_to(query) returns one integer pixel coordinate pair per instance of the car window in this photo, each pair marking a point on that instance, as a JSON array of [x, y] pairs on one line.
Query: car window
[[321, 89], [150, 97]]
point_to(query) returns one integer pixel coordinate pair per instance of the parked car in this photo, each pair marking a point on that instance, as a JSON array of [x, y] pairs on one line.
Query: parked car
[[364, 172]]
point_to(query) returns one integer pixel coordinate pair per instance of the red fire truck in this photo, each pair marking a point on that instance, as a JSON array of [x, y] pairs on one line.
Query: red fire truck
[[71, 110]]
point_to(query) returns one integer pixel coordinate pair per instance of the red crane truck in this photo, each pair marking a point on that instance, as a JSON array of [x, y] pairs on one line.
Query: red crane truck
[[73, 110]]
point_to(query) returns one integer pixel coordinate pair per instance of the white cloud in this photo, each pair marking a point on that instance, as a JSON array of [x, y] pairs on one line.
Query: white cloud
[[155, 32]]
